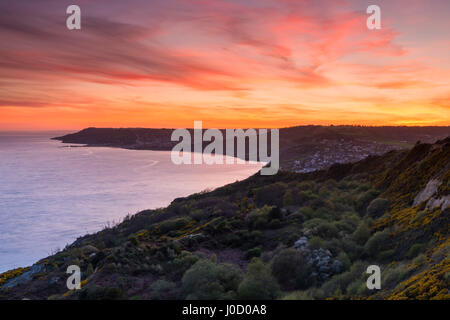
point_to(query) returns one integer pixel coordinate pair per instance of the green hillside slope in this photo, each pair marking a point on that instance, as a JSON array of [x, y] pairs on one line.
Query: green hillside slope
[[288, 236]]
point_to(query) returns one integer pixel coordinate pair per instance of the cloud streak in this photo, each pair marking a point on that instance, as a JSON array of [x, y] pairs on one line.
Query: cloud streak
[[237, 54]]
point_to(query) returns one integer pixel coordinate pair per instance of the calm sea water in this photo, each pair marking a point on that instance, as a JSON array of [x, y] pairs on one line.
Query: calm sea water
[[50, 194]]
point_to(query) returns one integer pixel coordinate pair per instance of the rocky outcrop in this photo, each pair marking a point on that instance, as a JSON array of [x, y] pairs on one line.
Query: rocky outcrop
[[322, 261], [24, 277], [427, 193]]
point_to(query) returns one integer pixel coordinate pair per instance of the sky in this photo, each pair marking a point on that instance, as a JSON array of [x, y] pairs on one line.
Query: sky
[[228, 63]]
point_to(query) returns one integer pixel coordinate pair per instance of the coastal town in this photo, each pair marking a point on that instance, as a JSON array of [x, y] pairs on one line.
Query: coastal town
[[326, 152]]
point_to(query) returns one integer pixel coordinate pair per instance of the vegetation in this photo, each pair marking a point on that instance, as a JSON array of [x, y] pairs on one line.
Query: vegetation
[[289, 236]]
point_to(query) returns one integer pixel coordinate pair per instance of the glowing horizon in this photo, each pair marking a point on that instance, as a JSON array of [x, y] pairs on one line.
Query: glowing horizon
[[229, 63]]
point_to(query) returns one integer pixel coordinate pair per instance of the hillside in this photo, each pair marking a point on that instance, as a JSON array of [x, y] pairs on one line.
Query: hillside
[[288, 236], [302, 148]]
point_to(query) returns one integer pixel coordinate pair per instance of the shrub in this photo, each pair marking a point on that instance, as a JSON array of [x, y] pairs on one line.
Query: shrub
[[310, 294], [420, 260], [259, 218], [271, 194], [321, 228], [415, 250], [184, 261], [306, 212], [162, 289], [275, 213], [174, 224], [258, 283], [252, 253], [363, 200], [384, 255], [316, 243], [97, 293], [362, 234], [391, 277], [198, 214], [207, 280], [291, 269], [288, 198], [343, 257], [377, 207], [375, 244], [352, 249], [274, 224], [339, 283]]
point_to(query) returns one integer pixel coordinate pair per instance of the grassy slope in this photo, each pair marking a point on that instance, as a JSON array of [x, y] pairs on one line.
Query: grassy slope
[[160, 253]]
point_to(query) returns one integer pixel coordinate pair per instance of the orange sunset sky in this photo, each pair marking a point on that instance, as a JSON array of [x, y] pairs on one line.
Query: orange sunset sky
[[229, 63]]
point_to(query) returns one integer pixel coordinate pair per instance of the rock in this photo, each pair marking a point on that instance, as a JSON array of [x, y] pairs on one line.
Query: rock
[[24, 277], [321, 260], [53, 280], [301, 243]]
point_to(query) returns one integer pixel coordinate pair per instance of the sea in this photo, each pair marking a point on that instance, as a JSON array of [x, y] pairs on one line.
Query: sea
[[52, 193]]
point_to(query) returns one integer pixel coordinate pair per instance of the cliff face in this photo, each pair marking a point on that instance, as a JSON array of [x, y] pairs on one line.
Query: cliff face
[[290, 236]]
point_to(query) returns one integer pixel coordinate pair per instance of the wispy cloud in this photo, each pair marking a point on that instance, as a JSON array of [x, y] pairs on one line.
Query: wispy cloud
[[250, 57]]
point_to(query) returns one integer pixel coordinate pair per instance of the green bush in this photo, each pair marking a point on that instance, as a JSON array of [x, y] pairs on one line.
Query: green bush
[[321, 228], [259, 218], [271, 194], [377, 207], [343, 257], [376, 243], [258, 283], [338, 284], [97, 293], [288, 198], [415, 250], [310, 294], [174, 224], [362, 234], [183, 262], [252, 253], [420, 260], [162, 289], [364, 200], [206, 280], [274, 224], [291, 269], [386, 254], [316, 243], [391, 277]]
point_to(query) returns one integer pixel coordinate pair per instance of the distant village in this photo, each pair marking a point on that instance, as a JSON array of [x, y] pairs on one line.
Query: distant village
[[330, 151]]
